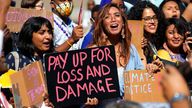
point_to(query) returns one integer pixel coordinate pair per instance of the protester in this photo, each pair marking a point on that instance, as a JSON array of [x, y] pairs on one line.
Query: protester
[[112, 29], [89, 37], [35, 39], [170, 8], [149, 14], [66, 32], [173, 35], [33, 4], [174, 8]]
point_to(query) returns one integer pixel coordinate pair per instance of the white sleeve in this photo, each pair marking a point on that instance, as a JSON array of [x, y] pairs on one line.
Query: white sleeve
[[1, 33]]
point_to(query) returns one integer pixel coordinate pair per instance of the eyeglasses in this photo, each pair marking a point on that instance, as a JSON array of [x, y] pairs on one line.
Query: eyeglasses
[[149, 18]]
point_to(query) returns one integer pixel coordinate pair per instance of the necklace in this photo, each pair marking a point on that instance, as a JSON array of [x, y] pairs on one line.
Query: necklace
[[177, 57]]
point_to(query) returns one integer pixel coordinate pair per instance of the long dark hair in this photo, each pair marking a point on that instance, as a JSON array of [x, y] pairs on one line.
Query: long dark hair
[[136, 11], [179, 24], [32, 25]]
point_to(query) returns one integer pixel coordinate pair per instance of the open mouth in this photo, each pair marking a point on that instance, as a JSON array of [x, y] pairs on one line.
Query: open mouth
[[174, 16], [114, 26], [47, 44], [152, 26], [176, 41]]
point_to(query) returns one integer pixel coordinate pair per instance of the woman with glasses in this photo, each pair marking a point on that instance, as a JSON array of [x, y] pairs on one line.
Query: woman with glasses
[[149, 14]]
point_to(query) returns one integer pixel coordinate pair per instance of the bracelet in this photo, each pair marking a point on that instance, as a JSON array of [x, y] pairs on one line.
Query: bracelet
[[69, 43], [178, 97]]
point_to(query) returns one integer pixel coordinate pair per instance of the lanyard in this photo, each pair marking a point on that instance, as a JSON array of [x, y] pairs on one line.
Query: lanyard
[[154, 50], [61, 28]]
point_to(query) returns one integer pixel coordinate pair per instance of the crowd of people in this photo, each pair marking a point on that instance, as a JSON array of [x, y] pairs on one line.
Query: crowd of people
[[166, 43]]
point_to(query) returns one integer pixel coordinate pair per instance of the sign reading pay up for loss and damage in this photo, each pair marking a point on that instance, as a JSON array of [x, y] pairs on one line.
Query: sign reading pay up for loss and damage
[[73, 76]]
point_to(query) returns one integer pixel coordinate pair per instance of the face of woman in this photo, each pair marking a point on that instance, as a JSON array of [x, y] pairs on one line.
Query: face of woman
[[150, 20], [174, 40], [42, 39], [171, 9], [113, 21]]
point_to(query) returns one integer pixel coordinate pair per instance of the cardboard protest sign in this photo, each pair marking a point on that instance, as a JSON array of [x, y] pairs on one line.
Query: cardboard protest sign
[[141, 87], [75, 75], [28, 85], [17, 16], [136, 28]]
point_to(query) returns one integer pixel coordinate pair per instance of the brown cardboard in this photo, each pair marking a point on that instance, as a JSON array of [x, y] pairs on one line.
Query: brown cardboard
[[145, 88], [29, 85], [136, 28], [17, 16]]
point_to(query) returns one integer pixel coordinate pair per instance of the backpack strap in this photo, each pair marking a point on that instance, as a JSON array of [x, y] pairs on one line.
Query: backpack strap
[[16, 56]]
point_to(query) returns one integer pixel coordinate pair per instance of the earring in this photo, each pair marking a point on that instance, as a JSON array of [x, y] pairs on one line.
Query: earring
[[123, 33], [104, 35]]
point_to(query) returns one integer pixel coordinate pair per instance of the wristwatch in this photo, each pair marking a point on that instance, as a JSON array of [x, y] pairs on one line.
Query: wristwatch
[[178, 97]]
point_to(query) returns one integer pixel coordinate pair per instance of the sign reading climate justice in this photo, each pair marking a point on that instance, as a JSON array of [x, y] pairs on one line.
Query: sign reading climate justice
[[141, 87], [75, 75]]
